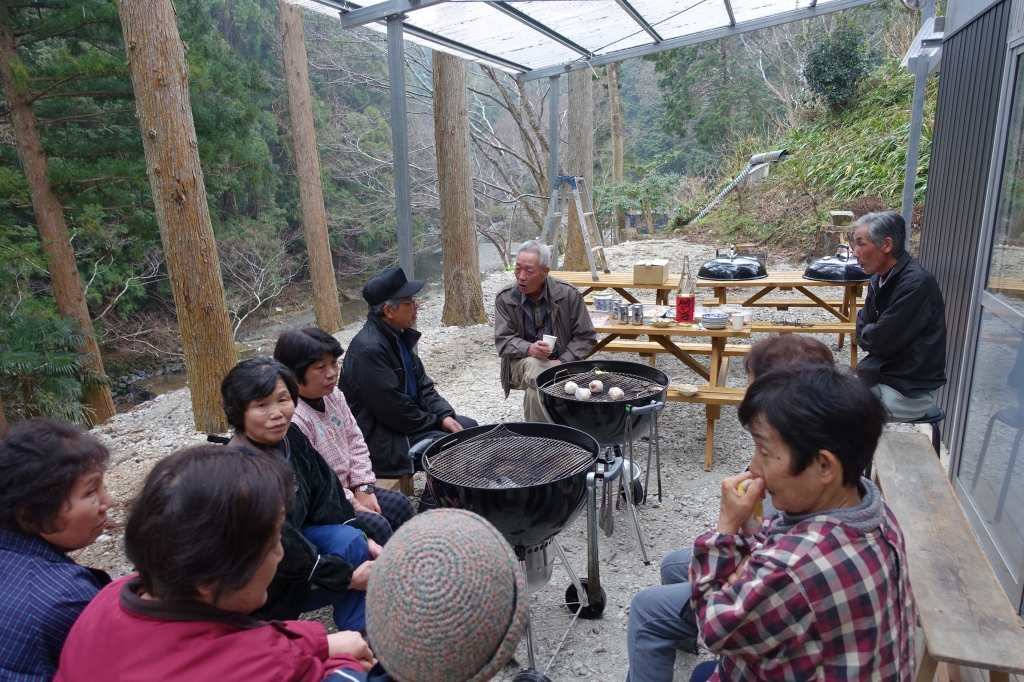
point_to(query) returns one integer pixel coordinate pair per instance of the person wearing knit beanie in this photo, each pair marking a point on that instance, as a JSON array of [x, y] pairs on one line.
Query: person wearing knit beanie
[[447, 601]]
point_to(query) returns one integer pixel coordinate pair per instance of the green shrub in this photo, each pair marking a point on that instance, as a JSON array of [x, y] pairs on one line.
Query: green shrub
[[42, 372], [835, 66]]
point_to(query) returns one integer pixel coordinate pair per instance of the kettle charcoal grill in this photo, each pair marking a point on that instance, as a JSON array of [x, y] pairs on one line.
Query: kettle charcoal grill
[[530, 481], [611, 422]]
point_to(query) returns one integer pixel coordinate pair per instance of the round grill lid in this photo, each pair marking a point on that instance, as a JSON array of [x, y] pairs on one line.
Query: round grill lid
[[842, 267], [732, 267]]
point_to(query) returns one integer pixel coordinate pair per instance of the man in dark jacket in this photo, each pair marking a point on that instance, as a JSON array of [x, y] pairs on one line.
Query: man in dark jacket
[[902, 325], [534, 306], [384, 382]]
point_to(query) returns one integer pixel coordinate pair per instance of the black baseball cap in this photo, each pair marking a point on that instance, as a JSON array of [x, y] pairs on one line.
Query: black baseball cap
[[389, 284]]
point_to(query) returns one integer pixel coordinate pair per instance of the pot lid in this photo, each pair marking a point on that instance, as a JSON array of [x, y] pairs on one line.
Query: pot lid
[[732, 267], [842, 267]]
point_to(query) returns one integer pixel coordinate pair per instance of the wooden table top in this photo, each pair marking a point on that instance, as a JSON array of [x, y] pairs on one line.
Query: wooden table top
[[651, 330], [788, 278], [624, 280]]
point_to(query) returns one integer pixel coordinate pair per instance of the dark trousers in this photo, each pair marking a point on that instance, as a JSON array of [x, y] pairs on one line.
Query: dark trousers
[[395, 509], [427, 501]]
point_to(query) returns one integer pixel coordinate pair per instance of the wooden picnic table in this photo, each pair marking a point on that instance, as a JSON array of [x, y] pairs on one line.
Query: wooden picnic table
[[714, 375], [846, 311], [620, 282]]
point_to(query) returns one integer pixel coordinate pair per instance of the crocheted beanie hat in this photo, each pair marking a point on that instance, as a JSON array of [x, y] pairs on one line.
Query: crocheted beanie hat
[[446, 600]]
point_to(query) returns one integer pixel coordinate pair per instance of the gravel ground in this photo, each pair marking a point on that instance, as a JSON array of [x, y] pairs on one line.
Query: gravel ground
[[463, 363]]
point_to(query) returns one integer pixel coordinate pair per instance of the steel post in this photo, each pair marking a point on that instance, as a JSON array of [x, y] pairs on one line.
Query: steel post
[[553, 96], [400, 142], [914, 143]]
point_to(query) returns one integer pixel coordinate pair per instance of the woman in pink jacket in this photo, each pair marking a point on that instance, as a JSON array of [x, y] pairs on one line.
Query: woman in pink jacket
[[325, 419], [205, 536]]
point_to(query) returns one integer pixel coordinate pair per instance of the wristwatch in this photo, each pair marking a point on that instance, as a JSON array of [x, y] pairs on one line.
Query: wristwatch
[[367, 488]]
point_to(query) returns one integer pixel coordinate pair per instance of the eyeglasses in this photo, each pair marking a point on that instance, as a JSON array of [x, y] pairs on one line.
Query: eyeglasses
[[411, 300]]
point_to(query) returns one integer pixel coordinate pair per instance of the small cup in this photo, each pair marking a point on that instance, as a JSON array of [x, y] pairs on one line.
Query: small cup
[[550, 340], [737, 321], [747, 317]]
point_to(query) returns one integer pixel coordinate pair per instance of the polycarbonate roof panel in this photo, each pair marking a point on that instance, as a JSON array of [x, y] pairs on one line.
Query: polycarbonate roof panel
[[492, 31], [603, 28], [748, 10], [598, 25]]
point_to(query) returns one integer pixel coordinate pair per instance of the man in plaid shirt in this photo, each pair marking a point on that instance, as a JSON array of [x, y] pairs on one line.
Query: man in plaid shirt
[[821, 592]]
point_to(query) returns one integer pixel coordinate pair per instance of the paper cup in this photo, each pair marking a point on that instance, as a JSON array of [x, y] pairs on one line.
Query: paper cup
[[550, 340], [737, 321]]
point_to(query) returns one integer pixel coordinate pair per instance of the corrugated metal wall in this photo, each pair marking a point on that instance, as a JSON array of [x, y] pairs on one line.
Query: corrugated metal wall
[[965, 120]]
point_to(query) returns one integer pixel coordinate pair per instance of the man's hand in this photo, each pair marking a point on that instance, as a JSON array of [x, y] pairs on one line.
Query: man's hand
[[450, 425], [361, 576], [539, 350], [368, 502], [375, 549], [735, 509], [351, 643]]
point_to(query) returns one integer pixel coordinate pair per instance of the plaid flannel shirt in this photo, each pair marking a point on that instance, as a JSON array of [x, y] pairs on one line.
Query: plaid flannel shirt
[[820, 602], [336, 436]]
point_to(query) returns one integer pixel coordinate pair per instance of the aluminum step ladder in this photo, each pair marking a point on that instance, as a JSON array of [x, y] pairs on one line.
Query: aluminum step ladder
[[576, 185]]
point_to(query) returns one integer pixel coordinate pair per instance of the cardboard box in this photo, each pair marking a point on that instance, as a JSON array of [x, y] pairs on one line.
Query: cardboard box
[[654, 271]]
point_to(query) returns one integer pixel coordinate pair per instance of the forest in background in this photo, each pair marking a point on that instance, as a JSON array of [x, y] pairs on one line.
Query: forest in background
[[690, 118]]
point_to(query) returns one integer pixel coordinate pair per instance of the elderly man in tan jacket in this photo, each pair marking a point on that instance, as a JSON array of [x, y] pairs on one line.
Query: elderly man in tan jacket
[[525, 311]]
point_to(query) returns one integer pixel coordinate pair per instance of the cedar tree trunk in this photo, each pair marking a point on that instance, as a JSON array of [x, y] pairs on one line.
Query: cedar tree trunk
[[463, 295], [156, 57], [307, 166], [580, 159], [53, 231], [613, 102]]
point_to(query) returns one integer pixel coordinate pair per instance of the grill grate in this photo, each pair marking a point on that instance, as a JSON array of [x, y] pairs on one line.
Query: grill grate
[[632, 386], [500, 459]]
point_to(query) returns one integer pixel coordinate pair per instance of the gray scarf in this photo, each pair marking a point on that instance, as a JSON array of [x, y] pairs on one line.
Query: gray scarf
[[864, 518]]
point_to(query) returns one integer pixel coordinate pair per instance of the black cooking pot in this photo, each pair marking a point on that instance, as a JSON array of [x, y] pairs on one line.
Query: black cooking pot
[[842, 267], [526, 516], [732, 266], [605, 421]]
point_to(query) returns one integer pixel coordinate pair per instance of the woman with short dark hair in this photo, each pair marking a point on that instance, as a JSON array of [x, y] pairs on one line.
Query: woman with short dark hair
[[52, 501], [205, 536], [325, 545], [324, 417]]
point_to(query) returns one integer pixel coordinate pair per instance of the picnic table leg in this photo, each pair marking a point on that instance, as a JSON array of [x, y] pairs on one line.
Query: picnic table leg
[[846, 311], [720, 292], [723, 371], [684, 357], [996, 676], [626, 295], [926, 665], [717, 351], [949, 672], [603, 342], [713, 412]]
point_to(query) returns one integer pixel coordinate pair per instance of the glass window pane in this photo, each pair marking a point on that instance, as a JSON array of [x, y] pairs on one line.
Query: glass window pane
[[1006, 274], [991, 466]]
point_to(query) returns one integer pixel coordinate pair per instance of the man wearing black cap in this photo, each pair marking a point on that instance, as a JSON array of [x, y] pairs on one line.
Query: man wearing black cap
[[384, 382]]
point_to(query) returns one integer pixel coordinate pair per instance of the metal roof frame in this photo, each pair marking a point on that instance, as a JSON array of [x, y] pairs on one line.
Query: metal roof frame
[[354, 14], [395, 15]]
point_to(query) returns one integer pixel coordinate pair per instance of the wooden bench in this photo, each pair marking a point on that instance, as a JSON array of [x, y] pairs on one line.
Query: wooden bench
[[783, 303], [650, 349], [964, 613], [840, 328], [713, 398], [402, 484]]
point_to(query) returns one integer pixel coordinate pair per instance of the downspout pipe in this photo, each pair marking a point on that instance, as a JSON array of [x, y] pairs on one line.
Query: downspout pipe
[[755, 161]]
